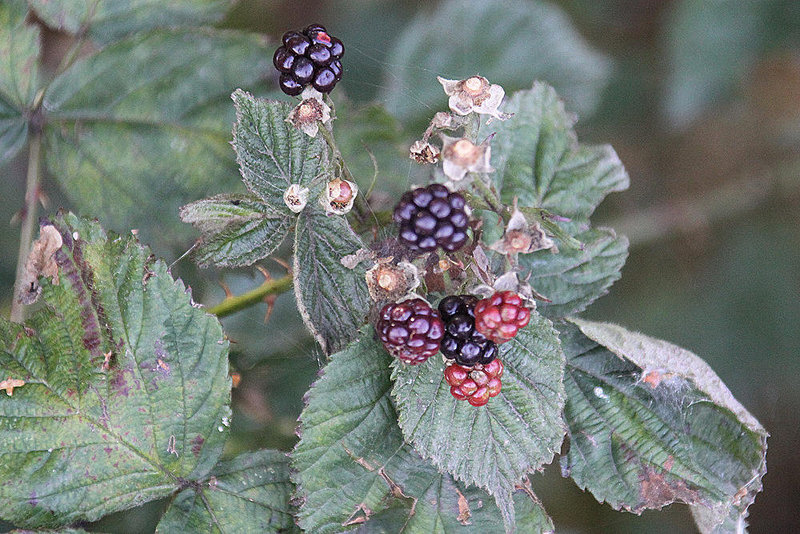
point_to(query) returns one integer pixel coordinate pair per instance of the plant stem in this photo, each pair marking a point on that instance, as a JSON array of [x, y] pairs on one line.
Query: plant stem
[[28, 221], [232, 305], [489, 196]]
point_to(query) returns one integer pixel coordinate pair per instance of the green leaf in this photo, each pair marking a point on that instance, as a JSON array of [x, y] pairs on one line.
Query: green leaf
[[352, 464], [538, 160], [237, 230], [81, 440], [496, 445], [249, 493], [19, 52], [109, 20], [461, 38], [142, 127], [333, 299], [574, 278], [650, 424], [271, 153]]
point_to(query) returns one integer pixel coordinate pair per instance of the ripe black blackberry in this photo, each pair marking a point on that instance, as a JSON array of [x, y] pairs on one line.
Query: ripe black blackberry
[[461, 342], [309, 57], [410, 330], [432, 216]]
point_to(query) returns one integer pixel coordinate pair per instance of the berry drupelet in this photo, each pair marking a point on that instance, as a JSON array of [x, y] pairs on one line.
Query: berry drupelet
[[410, 330], [309, 57], [500, 316], [461, 342], [432, 216], [474, 384]]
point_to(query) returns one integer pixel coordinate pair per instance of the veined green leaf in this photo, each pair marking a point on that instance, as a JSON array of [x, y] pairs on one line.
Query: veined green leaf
[[333, 299], [126, 390], [19, 53], [537, 158], [650, 424], [237, 230], [247, 494], [109, 20], [545, 42], [273, 154], [573, 278], [496, 445], [142, 127], [352, 465]]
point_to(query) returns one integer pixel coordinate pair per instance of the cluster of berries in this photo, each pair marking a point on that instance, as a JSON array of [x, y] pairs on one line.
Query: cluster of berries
[[432, 216], [465, 329], [309, 57]]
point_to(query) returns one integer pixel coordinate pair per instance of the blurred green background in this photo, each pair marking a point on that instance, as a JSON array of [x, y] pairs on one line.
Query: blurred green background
[[700, 98]]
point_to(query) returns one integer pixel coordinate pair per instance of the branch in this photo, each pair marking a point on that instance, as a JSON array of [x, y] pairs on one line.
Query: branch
[[232, 305]]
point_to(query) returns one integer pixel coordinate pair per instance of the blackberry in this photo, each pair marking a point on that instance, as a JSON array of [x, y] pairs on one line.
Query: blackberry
[[432, 216], [311, 57], [461, 342], [410, 330], [500, 316], [475, 385]]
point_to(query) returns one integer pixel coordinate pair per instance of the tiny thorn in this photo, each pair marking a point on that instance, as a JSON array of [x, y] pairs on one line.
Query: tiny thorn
[[283, 264], [226, 289], [264, 273], [270, 300]]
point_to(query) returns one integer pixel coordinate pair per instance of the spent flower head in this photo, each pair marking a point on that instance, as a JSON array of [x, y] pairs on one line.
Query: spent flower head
[[296, 197], [474, 94], [308, 114], [339, 196], [460, 156]]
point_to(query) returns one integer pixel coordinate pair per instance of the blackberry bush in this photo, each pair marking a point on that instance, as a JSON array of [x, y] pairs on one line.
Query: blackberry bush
[[117, 385]]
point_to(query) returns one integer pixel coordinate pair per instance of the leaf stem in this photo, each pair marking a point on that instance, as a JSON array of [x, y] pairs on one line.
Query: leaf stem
[[362, 211], [232, 305], [490, 196], [28, 220]]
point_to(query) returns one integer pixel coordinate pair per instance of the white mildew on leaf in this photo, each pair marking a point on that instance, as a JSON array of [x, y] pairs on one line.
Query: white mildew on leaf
[[126, 386], [496, 445], [650, 424]]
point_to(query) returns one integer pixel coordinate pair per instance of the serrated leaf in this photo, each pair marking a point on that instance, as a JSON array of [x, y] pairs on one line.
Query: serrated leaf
[[142, 127], [538, 160], [271, 153], [108, 20], [352, 464], [249, 493], [496, 445], [19, 52], [82, 438], [333, 299], [237, 230], [574, 278], [545, 41], [650, 423]]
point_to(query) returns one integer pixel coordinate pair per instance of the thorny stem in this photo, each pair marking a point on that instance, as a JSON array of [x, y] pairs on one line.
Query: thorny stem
[[28, 221], [232, 305]]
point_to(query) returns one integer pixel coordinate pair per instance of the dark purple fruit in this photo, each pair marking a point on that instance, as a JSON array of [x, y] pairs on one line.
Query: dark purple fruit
[[314, 28], [303, 70], [283, 59], [324, 81], [319, 54], [337, 48], [298, 44], [432, 216], [289, 85], [336, 67], [290, 34]]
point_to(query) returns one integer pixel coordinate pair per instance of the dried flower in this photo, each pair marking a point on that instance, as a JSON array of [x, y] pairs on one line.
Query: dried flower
[[307, 115], [461, 156], [339, 196], [475, 94], [296, 197], [390, 281], [522, 237], [423, 152]]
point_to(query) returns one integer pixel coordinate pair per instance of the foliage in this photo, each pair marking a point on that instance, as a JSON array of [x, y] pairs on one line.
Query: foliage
[[118, 386]]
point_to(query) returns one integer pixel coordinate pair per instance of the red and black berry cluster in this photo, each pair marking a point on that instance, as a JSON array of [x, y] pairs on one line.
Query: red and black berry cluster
[[309, 57]]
